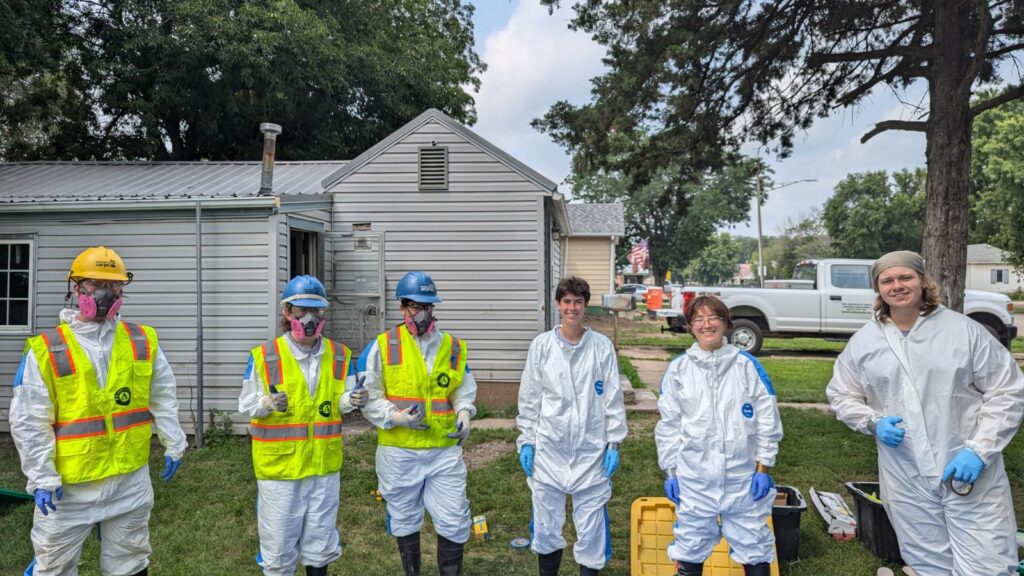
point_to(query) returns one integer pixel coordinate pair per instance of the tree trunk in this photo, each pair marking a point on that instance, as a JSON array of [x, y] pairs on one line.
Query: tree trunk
[[948, 153]]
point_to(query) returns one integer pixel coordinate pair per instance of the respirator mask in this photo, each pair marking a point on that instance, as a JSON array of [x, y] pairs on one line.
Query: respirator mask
[[422, 321], [102, 302], [307, 322]]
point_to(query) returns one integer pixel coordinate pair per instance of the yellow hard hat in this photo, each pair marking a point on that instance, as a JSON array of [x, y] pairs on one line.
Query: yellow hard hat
[[101, 263]]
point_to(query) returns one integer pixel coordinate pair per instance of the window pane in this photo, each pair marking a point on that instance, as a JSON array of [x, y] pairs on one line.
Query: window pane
[[19, 285], [850, 276], [19, 257], [3, 285], [19, 313], [3, 256], [3, 313]]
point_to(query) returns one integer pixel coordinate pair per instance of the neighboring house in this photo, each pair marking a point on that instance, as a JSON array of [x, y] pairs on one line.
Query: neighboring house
[[987, 269], [743, 273], [488, 237], [596, 230]]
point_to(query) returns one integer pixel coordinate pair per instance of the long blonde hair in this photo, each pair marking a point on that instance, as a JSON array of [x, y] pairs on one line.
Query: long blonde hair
[[931, 296]]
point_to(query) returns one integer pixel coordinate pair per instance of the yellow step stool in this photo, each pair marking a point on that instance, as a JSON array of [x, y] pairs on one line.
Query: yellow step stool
[[650, 522]]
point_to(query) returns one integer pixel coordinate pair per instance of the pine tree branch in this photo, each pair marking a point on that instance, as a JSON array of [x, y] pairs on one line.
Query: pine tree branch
[[884, 126], [890, 52], [1012, 94]]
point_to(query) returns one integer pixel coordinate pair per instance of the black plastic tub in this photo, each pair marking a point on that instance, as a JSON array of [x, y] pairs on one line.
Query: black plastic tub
[[786, 523], [873, 526]]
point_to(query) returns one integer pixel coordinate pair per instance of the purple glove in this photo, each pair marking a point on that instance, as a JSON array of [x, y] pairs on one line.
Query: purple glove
[[44, 499]]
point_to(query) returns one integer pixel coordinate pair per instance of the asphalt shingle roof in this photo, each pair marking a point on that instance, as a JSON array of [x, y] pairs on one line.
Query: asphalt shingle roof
[[22, 182], [984, 254], [597, 219]]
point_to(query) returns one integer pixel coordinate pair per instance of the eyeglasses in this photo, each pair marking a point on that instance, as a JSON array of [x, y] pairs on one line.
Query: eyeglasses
[[706, 320], [416, 306]]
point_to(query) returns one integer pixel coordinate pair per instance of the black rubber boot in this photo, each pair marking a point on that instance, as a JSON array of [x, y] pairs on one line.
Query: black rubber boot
[[586, 571], [409, 550], [690, 569], [314, 571], [549, 563], [762, 569], [143, 572], [449, 557]]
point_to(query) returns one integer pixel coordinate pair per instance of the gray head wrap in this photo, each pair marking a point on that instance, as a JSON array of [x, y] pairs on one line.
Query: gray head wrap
[[904, 258]]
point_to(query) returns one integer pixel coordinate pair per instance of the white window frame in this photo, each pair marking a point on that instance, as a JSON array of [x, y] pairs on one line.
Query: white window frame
[[28, 328]]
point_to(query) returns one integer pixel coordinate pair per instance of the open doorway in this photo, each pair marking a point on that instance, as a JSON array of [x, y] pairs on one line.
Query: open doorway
[[304, 253]]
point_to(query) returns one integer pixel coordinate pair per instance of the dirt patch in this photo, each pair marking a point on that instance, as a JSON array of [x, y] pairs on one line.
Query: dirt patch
[[480, 455]]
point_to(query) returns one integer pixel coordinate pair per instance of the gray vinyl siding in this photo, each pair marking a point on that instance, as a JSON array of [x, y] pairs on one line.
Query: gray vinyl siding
[[161, 252], [481, 240]]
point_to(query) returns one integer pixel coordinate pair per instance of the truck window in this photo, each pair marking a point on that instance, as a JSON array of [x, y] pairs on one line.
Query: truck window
[[806, 271], [854, 276]]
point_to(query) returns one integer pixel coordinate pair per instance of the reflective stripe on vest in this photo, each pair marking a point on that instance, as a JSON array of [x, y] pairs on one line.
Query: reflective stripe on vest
[[339, 361], [278, 432], [131, 419], [94, 426], [60, 354], [402, 402], [272, 363], [441, 407], [327, 429], [394, 347], [140, 344], [453, 360]]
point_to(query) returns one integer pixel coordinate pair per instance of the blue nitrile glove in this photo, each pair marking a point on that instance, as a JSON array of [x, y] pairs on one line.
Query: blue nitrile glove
[[965, 467], [461, 427], [761, 485], [170, 467], [44, 499], [526, 459], [611, 460], [887, 431], [672, 487]]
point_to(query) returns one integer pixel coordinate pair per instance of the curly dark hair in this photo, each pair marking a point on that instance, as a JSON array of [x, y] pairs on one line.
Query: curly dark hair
[[573, 285]]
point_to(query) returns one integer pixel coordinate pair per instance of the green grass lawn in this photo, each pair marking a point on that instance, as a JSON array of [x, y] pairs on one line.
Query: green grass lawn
[[1017, 345], [799, 380], [204, 522], [627, 369]]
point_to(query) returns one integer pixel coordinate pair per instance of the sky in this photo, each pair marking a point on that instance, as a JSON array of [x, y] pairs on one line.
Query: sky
[[534, 60]]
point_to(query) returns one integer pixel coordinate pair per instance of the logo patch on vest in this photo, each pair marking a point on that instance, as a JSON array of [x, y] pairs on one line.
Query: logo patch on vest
[[443, 380], [599, 387], [748, 410], [123, 396], [325, 408]]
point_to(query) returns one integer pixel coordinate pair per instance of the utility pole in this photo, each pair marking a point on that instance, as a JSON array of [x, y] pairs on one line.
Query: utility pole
[[760, 241]]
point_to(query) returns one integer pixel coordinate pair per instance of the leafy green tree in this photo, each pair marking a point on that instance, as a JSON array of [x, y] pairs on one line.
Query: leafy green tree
[[999, 205], [193, 79], [702, 76], [869, 214], [801, 239], [716, 263]]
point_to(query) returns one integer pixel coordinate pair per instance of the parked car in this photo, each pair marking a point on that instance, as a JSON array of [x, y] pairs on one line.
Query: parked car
[[639, 291]]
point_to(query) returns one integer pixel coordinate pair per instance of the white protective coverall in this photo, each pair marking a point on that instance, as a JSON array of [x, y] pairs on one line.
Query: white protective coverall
[[413, 479], [119, 504], [297, 519], [719, 419], [570, 409], [955, 386]]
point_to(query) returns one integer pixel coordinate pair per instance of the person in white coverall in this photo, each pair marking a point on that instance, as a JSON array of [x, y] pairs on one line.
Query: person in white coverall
[[295, 389], [571, 420], [717, 439], [422, 396], [943, 399], [86, 398]]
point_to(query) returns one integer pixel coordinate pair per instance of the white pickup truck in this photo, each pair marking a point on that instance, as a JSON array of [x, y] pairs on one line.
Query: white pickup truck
[[827, 298]]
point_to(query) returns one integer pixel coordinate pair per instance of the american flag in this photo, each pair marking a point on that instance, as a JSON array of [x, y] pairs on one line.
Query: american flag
[[638, 256]]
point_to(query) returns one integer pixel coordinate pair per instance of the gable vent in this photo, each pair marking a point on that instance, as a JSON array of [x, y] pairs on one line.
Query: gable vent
[[433, 168]]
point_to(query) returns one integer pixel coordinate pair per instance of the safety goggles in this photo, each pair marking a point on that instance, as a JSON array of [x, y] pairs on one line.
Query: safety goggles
[[91, 285], [416, 306], [299, 311]]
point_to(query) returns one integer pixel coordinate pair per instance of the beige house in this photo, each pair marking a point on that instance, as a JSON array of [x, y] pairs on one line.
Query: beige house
[[987, 269], [590, 254]]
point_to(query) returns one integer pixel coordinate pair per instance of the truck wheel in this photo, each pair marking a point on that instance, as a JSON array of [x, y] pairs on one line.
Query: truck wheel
[[747, 336]]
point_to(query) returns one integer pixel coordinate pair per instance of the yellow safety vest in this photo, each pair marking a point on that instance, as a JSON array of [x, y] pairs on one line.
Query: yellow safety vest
[[99, 432], [406, 384], [306, 439]]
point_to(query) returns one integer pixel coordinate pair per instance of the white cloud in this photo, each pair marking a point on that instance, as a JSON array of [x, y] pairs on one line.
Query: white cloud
[[534, 61]]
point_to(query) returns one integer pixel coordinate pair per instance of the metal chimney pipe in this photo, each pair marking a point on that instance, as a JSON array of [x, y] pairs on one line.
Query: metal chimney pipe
[[270, 132]]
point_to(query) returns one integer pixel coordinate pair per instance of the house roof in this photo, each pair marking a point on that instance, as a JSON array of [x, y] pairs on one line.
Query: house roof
[[435, 115], [984, 254], [597, 219], [38, 182]]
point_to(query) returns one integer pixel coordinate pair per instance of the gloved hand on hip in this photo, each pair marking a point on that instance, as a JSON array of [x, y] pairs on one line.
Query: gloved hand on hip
[[965, 467], [170, 468], [887, 431], [611, 460], [761, 485], [461, 426], [44, 499], [526, 459], [411, 417], [275, 402], [672, 486]]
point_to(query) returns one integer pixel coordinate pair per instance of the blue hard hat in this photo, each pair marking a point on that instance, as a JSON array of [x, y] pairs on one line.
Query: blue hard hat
[[305, 291], [418, 287]]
